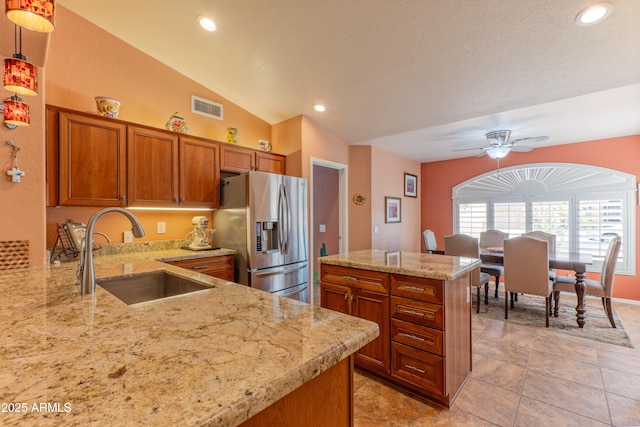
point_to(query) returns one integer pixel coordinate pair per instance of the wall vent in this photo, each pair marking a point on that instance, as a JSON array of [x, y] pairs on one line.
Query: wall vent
[[206, 107]]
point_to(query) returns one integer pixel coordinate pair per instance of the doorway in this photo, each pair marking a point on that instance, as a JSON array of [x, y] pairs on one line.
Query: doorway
[[329, 216]]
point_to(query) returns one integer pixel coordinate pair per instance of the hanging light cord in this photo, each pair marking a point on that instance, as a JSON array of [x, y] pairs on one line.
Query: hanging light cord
[[17, 48]]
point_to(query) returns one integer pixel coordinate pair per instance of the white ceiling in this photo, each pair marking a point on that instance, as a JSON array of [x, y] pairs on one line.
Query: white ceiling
[[420, 78]]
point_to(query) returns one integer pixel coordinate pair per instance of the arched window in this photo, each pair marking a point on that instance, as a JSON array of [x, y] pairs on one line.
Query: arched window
[[584, 206]]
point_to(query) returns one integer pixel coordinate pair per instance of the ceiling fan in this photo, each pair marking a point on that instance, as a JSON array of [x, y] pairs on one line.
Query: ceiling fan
[[500, 144]]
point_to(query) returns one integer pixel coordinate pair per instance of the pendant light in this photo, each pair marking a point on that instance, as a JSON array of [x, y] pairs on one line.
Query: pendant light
[[20, 76], [35, 15], [16, 112]]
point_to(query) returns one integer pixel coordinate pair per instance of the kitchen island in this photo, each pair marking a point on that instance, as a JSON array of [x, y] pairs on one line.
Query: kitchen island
[[422, 305], [221, 356]]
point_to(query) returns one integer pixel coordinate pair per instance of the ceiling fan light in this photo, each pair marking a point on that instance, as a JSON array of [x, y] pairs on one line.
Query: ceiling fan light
[[498, 152]]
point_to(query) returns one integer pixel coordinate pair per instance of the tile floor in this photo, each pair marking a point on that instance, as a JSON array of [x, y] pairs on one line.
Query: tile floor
[[524, 376]]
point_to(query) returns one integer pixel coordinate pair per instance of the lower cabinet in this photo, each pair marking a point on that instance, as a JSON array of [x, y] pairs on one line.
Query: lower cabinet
[[217, 266], [425, 327]]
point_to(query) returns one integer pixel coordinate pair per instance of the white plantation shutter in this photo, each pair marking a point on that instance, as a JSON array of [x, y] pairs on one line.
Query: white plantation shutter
[[472, 218]]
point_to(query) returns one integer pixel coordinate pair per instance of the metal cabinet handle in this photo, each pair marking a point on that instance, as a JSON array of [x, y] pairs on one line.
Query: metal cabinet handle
[[352, 297], [414, 313], [199, 267], [411, 288], [346, 296], [350, 279], [413, 368], [413, 337]]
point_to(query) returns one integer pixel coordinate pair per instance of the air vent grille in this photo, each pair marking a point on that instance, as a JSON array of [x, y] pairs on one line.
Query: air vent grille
[[206, 107]]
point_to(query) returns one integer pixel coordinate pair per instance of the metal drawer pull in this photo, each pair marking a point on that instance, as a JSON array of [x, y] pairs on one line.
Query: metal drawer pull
[[350, 279], [413, 337], [411, 288], [413, 368], [414, 313], [199, 267], [346, 296]]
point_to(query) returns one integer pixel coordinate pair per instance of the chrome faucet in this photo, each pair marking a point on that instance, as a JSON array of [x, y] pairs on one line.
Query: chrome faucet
[[86, 272]]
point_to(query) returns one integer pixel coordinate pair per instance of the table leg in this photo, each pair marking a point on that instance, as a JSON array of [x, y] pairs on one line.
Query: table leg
[[580, 290]]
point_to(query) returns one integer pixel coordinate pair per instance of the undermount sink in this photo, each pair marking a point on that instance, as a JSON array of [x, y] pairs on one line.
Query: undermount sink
[[151, 286]]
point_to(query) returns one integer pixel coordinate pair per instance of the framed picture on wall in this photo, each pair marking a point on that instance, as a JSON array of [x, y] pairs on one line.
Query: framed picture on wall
[[410, 185], [391, 209]]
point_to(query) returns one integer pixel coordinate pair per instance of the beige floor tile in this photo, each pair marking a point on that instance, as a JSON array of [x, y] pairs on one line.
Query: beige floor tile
[[449, 418], [622, 383], [533, 413], [581, 349], [586, 401], [619, 362], [495, 372], [504, 350], [624, 411], [488, 402], [566, 368]]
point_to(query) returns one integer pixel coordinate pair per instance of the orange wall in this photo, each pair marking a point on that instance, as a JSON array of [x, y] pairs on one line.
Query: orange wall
[[85, 61], [360, 228], [438, 179]]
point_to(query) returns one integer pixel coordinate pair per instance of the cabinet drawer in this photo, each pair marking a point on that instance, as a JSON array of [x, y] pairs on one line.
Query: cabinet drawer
[[417, 367], [421, 313], [207, 265], [355, 278], [417, 336], [429, 290], [228, 275]]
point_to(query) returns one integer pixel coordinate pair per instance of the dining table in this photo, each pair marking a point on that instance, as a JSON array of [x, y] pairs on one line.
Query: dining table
[[572, 261]]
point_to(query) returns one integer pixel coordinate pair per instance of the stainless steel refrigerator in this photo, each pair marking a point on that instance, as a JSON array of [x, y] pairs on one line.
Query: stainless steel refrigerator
[[263, 216]]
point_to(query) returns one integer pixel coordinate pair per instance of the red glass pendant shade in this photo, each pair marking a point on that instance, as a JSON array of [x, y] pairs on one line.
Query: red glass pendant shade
[[16, 112], [36, 15], [20, 76]]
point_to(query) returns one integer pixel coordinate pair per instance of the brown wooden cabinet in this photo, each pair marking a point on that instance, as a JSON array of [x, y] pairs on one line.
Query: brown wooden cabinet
[[199, 173], [92, 161], [217, 266], [237, 159], [152, 167], [363, 294], [425, 327]]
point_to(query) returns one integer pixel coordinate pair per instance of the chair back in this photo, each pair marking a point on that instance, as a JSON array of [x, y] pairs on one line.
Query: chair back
[[609, 265], [429, 239], [492, 238], [526, 266], [466, 246], [550, 238]]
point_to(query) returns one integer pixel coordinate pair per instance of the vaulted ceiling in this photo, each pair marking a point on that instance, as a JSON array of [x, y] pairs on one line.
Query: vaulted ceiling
[[420, 78]]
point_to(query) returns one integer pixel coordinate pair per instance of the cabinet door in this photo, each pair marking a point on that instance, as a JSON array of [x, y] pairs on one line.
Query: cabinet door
[[267, 162], [236, 159], [152, 167], [199, 173], [374, 306], [92, 161], [335, 297]]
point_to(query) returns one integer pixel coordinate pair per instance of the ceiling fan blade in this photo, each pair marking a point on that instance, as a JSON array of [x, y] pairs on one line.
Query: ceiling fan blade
[[521, 149], [484, 153], [530, 140], [468, 149]]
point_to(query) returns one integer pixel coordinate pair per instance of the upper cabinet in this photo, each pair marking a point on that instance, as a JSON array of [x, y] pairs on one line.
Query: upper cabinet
[[152, 169], [98, 161], [199, 172], [92, 156], [239, 159]]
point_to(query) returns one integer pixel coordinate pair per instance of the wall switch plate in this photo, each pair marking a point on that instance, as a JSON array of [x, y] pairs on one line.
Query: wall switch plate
[[128, 236], [323, 228], [375, 229], [162, 227]]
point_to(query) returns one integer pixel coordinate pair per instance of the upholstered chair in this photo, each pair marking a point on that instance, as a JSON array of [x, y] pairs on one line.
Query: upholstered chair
[[488, 239], [551, 239], [467, 246], [429, 239], [602, 288], [526, 270]]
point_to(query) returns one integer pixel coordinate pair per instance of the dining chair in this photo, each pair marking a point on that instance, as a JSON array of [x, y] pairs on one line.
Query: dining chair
[[467, 246], [429, 239], [488, 239], [602, 288], [551, 239], [526, 270]]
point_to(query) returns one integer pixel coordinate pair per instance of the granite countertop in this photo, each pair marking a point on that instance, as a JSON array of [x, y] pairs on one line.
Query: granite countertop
[[214, 357], [440, 267]]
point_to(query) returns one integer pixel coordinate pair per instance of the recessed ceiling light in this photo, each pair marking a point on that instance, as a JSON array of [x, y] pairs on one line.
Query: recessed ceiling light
[[593, 14], [207, 23], [319, 107]]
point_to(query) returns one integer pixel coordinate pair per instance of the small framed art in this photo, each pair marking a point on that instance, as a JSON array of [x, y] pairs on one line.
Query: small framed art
[[410, 185], [392, 209]]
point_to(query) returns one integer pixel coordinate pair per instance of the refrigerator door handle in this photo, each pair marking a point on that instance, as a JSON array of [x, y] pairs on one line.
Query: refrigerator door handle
[[285, 271], [287, 230], [280, 221]]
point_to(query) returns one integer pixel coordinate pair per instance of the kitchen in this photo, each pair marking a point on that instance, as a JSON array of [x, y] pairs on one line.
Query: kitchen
[[76, 72]]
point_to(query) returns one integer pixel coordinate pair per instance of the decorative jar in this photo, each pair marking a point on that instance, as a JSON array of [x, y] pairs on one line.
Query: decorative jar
[[232, 135], [177, 124], [108, 107]]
